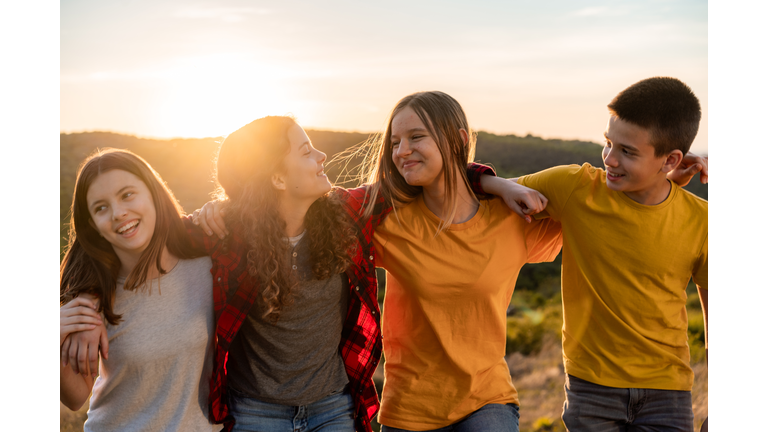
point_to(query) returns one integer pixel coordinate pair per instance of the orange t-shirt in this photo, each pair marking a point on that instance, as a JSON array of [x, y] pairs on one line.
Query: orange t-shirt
[[444, 316]]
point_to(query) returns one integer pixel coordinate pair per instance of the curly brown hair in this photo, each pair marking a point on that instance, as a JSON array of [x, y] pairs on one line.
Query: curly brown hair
[[246, 161]]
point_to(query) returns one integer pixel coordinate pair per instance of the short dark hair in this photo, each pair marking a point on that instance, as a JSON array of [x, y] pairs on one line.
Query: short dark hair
[[666, 107]]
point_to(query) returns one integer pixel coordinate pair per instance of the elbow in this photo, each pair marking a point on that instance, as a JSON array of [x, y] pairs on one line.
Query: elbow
[[73, 402], [72, 405]]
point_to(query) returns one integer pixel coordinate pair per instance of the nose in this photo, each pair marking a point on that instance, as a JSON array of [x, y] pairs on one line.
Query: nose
[[404, 149], [323, 157], [608, 158], [118, 212]]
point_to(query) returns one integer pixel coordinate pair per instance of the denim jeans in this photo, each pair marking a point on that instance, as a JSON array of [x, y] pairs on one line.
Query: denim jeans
[[492, 417], [334, 413], [592, 407]]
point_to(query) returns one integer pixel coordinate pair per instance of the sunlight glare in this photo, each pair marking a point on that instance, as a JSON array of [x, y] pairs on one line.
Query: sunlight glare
[[215, 95]]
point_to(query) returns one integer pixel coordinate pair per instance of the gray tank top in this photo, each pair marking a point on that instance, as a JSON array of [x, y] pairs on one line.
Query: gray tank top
[[295, 361], [160, 356]]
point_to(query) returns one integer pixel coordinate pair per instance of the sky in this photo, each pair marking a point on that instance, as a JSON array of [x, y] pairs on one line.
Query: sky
[[197, 69]]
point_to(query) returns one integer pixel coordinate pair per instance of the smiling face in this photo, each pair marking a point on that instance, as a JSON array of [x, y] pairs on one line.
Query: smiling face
[[123, 212], [630, 164], [414, 151], [301, 174]]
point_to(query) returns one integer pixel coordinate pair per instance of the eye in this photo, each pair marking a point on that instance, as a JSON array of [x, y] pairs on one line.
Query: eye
[[417, 137], [395, 144], [128, 195], [99, 208]]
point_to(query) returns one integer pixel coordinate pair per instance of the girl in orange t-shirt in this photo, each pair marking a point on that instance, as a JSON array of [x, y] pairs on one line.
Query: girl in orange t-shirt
[[453, 262]]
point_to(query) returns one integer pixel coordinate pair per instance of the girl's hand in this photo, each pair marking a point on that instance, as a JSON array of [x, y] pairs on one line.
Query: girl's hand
[[522, 200], [690, 165], [78, 315], [210, 218], [81, 350]]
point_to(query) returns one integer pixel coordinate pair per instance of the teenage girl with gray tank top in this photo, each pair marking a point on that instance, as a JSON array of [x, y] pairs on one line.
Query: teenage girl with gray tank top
[[129, 258]]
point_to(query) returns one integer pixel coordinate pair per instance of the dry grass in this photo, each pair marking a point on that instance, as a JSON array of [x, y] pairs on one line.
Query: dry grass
[[72, 421]]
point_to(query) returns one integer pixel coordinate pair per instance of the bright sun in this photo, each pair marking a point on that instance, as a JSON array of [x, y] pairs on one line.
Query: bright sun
[[215, 95]]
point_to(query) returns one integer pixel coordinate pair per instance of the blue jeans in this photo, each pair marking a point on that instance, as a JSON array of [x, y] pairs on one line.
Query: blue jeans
[[492, 417], [592, 407], [334, 413]]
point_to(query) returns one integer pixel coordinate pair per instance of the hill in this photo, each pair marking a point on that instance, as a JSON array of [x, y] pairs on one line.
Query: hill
[[187, 164]]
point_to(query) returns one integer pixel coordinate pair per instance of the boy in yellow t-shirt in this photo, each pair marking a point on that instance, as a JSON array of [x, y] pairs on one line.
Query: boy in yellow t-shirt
[[631, 242]]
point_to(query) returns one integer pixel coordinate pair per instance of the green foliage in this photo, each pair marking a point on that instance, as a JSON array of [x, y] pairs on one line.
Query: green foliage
[[513, 156], [525, 334], [543, 424], [696, 338], [381, 277], [527, 327]]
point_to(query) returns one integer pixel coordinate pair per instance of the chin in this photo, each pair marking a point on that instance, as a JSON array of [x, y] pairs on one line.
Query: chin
[[612, 186]]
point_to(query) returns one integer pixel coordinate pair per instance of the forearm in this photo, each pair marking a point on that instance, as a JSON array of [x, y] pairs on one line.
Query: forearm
[[74, 388], [493, 185]]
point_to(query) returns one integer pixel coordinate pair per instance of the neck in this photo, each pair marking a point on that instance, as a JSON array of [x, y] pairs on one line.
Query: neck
[[293, 213], [652, 195], [435, 197], [128, 262]]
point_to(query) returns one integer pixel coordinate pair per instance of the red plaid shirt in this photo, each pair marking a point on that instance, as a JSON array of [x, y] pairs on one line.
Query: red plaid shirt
[[234, 293]]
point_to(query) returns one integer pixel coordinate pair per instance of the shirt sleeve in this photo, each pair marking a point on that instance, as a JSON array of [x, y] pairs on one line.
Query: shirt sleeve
[[543, 240], [700, 269], [474, 172], [557, 184], [198, 238], [356, 200]]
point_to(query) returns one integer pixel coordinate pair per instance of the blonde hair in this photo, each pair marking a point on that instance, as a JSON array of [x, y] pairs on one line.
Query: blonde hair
[[443, 117]]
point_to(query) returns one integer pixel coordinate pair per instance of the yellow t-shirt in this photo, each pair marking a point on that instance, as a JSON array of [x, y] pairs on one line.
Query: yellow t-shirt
[[444, 316], [625, 269]]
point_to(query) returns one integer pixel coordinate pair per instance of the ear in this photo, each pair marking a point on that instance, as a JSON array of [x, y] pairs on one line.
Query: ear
[[671, 161], [278, 182], [464, 136]]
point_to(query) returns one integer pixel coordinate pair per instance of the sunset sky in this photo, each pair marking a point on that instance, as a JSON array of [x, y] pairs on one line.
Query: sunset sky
[[185, 69]]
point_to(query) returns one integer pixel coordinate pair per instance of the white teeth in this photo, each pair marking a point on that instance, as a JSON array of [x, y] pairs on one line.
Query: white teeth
[[127, 227]]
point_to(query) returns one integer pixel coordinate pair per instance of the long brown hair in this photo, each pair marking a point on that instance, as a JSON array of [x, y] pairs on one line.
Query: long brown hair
[[443, 117], [246, 161], [90, 263]]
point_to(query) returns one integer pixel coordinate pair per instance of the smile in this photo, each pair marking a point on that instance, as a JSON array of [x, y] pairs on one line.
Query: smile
[[128, 228], [410, 164], [613, 176]]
